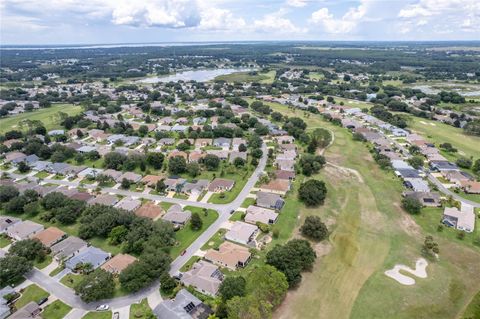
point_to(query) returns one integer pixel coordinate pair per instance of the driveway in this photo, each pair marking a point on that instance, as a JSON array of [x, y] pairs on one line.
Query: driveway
[[124, 312]]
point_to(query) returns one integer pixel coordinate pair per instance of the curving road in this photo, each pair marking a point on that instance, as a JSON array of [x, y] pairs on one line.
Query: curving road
[[68, 296]]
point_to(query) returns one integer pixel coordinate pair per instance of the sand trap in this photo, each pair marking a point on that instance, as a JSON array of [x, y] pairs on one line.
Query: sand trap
[[420, 271]]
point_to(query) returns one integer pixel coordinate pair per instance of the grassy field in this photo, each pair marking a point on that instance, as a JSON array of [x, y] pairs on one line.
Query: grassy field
[[186, 236], [31, 293], [266, 77], [141, 310], [316, 76], [56, 310], [370, 234], [473, 309], [48, 116], [438, 133]]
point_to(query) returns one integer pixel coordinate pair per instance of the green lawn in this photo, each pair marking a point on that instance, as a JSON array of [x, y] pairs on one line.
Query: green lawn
[[43, 264], [266, 77], [98, 315], [186, 235], [56, 310], [48, 116], [473, 309], [247, 202], [71, 280], [102, 243], [227, 197], [42, 174], [236, 216], [189, 263], [215, 241], [141, 310], [437, 132], [31, 293], [4, 241], [56, 271], [316, 76]]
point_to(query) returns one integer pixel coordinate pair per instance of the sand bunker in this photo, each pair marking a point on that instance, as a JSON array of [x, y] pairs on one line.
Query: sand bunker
[[420, 271]]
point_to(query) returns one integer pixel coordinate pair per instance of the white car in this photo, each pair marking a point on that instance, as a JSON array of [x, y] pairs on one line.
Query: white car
[[102, 308]]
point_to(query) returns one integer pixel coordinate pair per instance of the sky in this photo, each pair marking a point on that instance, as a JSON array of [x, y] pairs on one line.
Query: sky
[[147, 21]]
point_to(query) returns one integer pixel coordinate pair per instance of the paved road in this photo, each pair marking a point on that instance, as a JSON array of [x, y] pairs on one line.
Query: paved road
[[68, 296], [446, 191]]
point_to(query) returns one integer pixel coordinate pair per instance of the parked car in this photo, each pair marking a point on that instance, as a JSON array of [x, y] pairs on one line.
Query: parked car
[[102, 308], [183, 252], [42, 301]]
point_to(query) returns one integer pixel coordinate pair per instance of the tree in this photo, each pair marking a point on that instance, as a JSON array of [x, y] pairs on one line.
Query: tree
[[257, 153], [23, 167], [30, 249], [313, 228], [155, 159], [7, 193], [196, 222], [97, 285], [15, 205], [193, 169], [416, 161], [430, 247], [312, 192], [13, 268], [239, 162], [118, 235], [114, 160], [125, 183], [475, 167], [160, 186], [135, 276], [177, 165], [143, 130], [232, 287], [464, 162], [211, 162], [292, 258], [311, 164], [167, 283], [242, 148], [411, 205]]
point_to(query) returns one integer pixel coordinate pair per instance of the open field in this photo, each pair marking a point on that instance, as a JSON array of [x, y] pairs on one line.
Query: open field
[[370, 234], [47, 116], [260, 77], [438, 133]]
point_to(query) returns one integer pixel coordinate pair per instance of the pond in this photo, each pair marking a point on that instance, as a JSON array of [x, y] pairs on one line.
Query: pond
[[195, 75]]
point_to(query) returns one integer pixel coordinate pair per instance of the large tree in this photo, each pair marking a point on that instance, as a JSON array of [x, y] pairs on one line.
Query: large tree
[[12, 268], [97, 285], [30, 249], [232, 287], [313, 228], [177, 165], [411, 205], [312, 192]]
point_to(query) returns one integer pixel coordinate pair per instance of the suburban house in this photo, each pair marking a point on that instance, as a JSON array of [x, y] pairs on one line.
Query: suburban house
[[425, 198], [183, 306], [236, 142], [202, 142], [220, 185], [131, 177], [113, 174], [151, 180], [416, 184], [443, 166], [229, 255], [68, 248], [118, 263], [470, 187], [104, 199], [6, 222], [463, 219], [195, 187], [288, 175], [90, 255], [259, 214], [285, 139], [149, 210], [4, 304], [50, 236], [285, 164], [30, 311], [235, 154], [242, 233], [24, 230], [270, 200], [177, 216], [276, 186], [129, 204], [204, 277], [222, 142]]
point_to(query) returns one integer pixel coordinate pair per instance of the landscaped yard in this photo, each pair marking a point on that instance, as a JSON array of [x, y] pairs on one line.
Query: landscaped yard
[[4, 241], [141, 310], [98, 315], [227, 197], [247, 202], [31, 293], [56, 271], [215, 241], [189, 263], [42, 174], [56, 310], [186, 235], [71, 280], [44, 263], [48, 116]]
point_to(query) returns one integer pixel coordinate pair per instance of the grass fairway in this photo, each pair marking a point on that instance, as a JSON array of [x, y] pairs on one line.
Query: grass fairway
[[31, 293], [438, 133], [370, 234], [56, 310], [267, 77], [48, 116]]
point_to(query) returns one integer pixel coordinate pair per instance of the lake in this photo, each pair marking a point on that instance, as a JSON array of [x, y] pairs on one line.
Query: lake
[[193, 75]]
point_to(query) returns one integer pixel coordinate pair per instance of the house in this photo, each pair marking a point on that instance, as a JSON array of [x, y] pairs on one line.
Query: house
[[425, 198], [14, 157], [30, 311], [82, 196], [222, 142], [179, 128], [287, 147], [287, 175], [195, 187], [149, 210], [470, 187], [236, 142], [86, 149], [242, 233], [50, 236], [220, 185], [151, 180], [285, 165], [113, 174], [204, 277], [263, 215], [174, 184], [4, 304], [104, 199], [118, 263], [131, 177], [229, 255], [463, 219], [443, 166], [285, 139], [90, 255], [6, 222], [406, 173], [128, 204], [24, 230], [276, 186], [235, 154], [202, 142], [68, 248], [270, 200], [287, 155], [456, 177], [183, 306], [93, 172], [166, 141], [221, 154], [177, 216], [195, 156], [176, 153], [417, 184], [56, 132]]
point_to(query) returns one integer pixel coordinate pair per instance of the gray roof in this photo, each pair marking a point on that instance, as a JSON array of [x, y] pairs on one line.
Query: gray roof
[[68, 247], [91, 255], [7, 221], [183, 306]]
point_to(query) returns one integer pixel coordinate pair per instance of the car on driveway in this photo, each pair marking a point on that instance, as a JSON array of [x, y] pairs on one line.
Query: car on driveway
[[102, 308]]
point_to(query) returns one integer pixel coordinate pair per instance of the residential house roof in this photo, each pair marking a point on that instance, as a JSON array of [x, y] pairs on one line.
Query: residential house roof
[[128, 203], [104, 199], [90, 255], [149, 210], [183, 306], [280, 186], [229, 255], [118, 263], [241, 232], [24, 230], [68, 247], [50, 236], [220, 184], [260, 214], [8, 221], [203, 276], [269, 200], [176, 215]]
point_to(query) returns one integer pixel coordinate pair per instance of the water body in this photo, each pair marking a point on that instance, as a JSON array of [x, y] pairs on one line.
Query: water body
[[463, 90], [193, 75]]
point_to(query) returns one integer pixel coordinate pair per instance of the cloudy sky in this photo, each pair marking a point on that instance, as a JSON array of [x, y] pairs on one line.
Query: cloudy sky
[[137, 21]]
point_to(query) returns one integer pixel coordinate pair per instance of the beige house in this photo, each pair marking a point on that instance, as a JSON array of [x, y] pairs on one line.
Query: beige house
[[229, 255], [204, 277], [259, 214]]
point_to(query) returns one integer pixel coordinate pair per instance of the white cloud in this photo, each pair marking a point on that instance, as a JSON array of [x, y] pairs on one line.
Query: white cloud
[[346, 24], [220, 19], [277, 23], [296, 3]]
